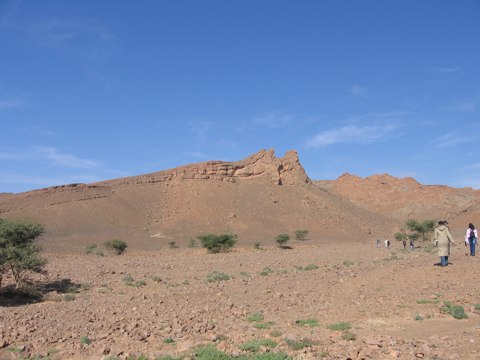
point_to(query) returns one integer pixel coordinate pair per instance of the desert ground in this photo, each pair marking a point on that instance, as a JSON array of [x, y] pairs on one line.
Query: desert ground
[[313, 301]]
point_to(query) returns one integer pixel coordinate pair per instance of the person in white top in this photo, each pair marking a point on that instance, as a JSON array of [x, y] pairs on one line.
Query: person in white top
[[471, 238]]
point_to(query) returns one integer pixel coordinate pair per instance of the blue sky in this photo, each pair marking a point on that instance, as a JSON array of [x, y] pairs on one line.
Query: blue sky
[[95, 90]]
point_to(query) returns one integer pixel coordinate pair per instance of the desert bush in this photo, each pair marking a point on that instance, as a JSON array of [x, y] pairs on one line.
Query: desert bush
[[173, 244], [18, 252], [254, 345], [218, 243], [255, 317], [299, 344], [115, 245], [90, 249], [477, 307], [266, 271], [257, 246], [307, 322], [418, 317], [217, 276], [301, 234], [263, 325], [420, 228], [457, 311], [349, 336], [85, 340], [69, 297], [341, 326], [282, 240], [210, 352], [306, 268], [127, 279]]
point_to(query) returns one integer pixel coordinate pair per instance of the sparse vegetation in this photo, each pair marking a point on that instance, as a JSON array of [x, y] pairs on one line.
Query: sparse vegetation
[[19, 255], [418, 318], [116, 246], [69, 297], [192, 243], [420, 228], [340, 326], [218, 243], [254, 345], [299, 344], [301, 234], [307, 322], [349, 336], [306, 268], [282, 240], [257, 246], [348, 263], [263, 325], [217, 276], [256, 317], [168, 341], [84, 340], [457, 311], [266, 271], [173, 244], [477, 307]]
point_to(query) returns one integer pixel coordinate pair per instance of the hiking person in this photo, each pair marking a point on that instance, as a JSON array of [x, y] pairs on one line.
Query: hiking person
[[378, 243], [404, 243], [443, 238], [471, 238]]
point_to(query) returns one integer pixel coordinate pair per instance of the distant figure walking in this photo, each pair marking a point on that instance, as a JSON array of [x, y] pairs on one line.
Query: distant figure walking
[[404, 243], [387, 244], [443, 238], [378, 243], [412, 245], [471, 238]]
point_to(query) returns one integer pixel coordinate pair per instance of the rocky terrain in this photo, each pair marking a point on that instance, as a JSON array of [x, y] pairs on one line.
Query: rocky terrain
[[332, 296], [386, 304]]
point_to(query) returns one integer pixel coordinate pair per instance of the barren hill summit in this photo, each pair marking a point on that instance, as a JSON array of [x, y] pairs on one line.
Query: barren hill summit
[[403, 198], [256, 198]]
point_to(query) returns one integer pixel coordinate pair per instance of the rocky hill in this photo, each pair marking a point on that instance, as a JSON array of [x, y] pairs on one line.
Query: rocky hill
[[255, 198]]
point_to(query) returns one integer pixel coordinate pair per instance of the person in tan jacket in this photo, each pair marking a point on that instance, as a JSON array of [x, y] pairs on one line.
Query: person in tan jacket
[[443, 238]]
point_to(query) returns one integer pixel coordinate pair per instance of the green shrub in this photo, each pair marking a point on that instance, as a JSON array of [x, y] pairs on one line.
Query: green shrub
[[306, 268], [127, 279], [307, 322], [263, 325], [341, 326], [457, 311], [168, 341], [477, 307], [85, 340], [69, 297], [282, 240], [299, 344], [218, 243], [266, 271], [255, 317], [418, 318], [254, 345], [348, 263], [19, 255], [349, 336], [115, 245], [90, 249], [301, 234], [210, 352], [217, 276]]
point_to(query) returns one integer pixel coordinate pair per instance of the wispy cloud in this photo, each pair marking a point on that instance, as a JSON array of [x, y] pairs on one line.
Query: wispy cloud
[[11, 104], [52, 156], [362, 129], [451, 139], [358, 90], [365, 134], [201, 129], [274, 119], [469, 105], [447, 70]]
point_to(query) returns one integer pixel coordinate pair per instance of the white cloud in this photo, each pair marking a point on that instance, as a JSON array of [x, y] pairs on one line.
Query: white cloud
[[447, 70], [466, 105], [365, 134], [449, 140], [274, 119], [358, 90], [11, 104], [52, 156]]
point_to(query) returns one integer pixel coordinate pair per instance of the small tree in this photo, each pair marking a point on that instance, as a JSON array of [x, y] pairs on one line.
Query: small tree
[[282, 239], [301, 234], [402, 235], [18, 253], [218, 243], [116, 245], [421, 227]]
